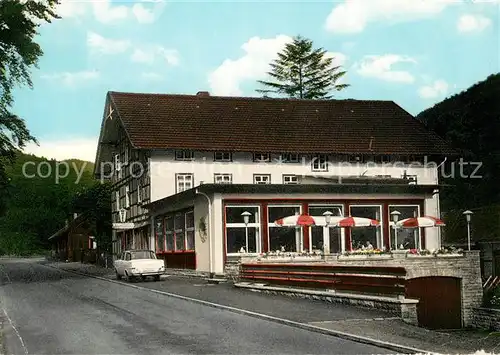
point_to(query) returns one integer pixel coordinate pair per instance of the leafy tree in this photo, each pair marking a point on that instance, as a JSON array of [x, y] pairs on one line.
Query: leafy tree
[[302, 72], [470, 121], [95, 203], [19, 21], [38, 206]]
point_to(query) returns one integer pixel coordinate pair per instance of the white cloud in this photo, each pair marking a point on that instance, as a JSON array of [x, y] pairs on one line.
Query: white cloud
[[141, 56], [171, 56], [352, 16], [142, 14], [71, 8], [381, 67], [339, 59], [104, 12], [153, 54], [253, 65], [437, 89], [72, 78], [472, 23], [79, 148], [103, 45]]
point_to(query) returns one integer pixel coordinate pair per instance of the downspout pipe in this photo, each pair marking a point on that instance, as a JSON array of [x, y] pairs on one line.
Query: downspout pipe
[[211, 273]]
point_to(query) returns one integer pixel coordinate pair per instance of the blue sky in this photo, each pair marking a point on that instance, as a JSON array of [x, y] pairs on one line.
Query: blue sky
[[414, 52]]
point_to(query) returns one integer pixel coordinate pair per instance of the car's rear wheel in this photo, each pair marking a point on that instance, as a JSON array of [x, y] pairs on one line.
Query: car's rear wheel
[[118, 276], [157, 277]]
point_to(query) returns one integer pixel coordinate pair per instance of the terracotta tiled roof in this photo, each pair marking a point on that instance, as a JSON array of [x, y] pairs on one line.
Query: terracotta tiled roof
[[203, 122]]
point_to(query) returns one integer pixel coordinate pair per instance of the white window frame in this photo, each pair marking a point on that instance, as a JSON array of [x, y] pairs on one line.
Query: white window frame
[[316, 164], [256, 176], [126, 155], [258, 157], [381, 220], [170, 232], [139, 193], [288, 176], [117, 197], [255, 225], [333, 206], [189, 229], [286, 158], [117, 163], [127, 197], [179, 230], [223, 156], [222, 176], [184, 154], [391, 223], [178, 177], [299, 233]]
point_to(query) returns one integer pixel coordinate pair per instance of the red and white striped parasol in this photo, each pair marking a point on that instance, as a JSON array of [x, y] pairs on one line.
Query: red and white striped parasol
[[357, 222], [305, 220], [420, 222]]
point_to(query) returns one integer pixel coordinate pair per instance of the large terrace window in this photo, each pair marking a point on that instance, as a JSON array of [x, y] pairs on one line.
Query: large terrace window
[[175, 232], [236, 230], [284, 237], [362, 236], [407, 238], [317, 235]]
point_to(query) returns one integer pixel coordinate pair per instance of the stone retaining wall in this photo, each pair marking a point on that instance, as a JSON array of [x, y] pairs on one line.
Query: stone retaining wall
[[466, 267], [486, 318], [406, 309]]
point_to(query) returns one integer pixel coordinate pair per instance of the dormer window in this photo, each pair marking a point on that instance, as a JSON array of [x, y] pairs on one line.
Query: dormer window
[[222, 156], [319, 163], [184, 155], [261, 157], [290, 158]]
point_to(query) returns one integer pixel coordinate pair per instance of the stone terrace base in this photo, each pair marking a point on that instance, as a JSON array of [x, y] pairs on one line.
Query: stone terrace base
[[403, 308], [486, 318], [464, 267]]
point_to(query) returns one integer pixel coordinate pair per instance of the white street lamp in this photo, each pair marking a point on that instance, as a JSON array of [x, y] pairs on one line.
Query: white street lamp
[[328, 217], [326, 234], [395, 218], [246, 219], [468, 215]]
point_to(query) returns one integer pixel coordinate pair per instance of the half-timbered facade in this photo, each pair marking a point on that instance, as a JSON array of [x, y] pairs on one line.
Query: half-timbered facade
[[185, 167], [127, 169]]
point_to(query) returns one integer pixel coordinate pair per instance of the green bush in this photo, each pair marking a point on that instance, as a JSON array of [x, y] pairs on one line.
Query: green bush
[[491, 298], [15, 244]]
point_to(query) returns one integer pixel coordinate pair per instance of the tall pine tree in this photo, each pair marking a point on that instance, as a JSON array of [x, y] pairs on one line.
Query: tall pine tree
[[302, 72]]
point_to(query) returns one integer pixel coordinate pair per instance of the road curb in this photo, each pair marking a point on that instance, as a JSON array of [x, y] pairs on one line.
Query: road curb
[[336, 333]]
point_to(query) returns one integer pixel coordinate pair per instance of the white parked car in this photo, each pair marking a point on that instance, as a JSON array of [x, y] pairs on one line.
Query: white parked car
[[135, 264]]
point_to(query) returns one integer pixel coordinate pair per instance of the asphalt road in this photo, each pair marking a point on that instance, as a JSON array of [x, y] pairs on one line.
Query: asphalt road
[[47, 311]]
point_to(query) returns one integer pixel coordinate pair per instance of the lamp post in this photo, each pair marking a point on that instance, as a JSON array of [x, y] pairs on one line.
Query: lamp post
[[468, 215], [326, 235], [246, 219], [395, 217]]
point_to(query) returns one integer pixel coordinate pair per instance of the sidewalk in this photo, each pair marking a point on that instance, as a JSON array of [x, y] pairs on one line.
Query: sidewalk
[[369, 323]]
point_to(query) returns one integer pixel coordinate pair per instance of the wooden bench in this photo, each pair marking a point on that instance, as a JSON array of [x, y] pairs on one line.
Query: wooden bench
[[359, 279]]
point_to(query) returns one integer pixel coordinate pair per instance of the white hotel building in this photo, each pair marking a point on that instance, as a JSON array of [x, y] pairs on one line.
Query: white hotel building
[[185, 168]]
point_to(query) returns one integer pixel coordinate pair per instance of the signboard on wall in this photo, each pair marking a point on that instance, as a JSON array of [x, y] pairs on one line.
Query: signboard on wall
[[123, 226]]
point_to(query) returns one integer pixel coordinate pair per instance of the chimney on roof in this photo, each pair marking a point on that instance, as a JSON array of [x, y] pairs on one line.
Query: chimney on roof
[[203, 93]]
